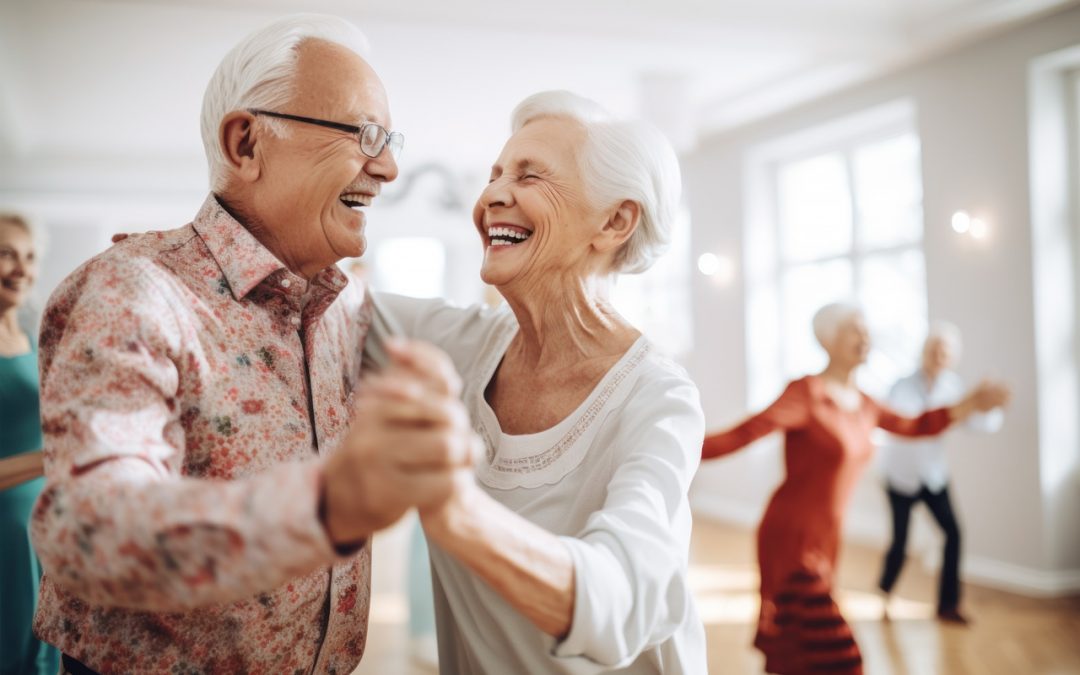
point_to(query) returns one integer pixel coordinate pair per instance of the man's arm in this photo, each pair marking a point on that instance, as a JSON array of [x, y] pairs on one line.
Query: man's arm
[[118, 523]]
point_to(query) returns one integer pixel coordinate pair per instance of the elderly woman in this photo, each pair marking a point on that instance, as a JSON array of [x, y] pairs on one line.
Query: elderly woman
[[827, 424], [20, 457], [568, 553]]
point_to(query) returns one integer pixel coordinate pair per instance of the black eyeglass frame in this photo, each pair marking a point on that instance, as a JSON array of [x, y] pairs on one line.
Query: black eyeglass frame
[[358, 131]]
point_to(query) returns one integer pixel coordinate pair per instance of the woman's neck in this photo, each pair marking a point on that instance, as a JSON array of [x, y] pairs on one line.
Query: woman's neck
[[561, 324], [9, 323], [840, 374]]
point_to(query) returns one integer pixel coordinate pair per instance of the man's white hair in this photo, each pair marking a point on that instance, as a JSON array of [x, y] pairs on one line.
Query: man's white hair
[[620, 160], [258, 73], [948, 333], [829, 319]]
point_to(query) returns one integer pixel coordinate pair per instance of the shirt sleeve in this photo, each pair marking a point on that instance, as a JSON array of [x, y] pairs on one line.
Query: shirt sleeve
[[631, 590], [930, 423], [458, 331], [789, 411], [117, 523]]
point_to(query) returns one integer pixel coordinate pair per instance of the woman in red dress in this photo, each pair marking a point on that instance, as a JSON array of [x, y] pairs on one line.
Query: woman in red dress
[[827, 424]]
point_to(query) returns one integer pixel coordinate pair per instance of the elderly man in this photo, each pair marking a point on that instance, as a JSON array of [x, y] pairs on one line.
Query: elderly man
[[917, 470], [208, 501]]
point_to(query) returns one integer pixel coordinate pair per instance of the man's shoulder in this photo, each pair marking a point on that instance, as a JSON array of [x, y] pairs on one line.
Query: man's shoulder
[[128, 265]]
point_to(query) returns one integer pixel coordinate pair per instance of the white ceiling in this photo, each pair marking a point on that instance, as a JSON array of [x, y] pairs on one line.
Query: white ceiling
[[94, 89]]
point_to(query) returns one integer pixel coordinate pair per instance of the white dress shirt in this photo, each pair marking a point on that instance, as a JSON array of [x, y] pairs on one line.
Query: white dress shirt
[[908, 465], [610, 481]]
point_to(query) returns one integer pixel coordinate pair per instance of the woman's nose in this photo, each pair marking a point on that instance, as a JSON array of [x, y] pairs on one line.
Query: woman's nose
[[497, 193]]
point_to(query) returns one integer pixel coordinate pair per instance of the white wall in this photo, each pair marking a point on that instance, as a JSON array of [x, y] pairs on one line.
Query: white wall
[[972, 112]]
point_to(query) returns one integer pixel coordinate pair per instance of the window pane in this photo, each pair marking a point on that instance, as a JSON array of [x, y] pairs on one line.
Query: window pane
[[806, 289], [411, 266], [893, 296], [888, 191], [815, 208]]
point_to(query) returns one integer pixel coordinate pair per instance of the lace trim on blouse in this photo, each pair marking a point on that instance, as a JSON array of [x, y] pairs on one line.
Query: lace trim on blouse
[[535, 469]]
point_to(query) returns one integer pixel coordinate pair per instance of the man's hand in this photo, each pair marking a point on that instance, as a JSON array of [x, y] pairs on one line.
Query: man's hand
[[984, 397], [410, 436]]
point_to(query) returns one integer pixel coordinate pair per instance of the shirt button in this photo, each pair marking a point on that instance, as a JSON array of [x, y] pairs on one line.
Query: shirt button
[[294, 320], [285, 283]]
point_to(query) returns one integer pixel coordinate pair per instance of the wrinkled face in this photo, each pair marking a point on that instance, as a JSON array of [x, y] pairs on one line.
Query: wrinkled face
[[533, 216], [315, 181], [851, 345], [18, 265], [938, 355]]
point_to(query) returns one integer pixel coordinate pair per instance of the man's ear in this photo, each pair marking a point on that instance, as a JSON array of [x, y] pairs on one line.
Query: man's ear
[[238, 140], [620, 226]]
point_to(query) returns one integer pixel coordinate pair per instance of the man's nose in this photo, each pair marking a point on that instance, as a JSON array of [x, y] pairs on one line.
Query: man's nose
[[383, 168]]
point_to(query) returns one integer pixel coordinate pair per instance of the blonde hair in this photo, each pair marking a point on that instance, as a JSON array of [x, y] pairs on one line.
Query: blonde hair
[[37, 236]]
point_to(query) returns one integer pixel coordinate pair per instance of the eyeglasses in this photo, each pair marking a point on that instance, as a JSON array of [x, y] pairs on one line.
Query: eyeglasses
[[373, 137]]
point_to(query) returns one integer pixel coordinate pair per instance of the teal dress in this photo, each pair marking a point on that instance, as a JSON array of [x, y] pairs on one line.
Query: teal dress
[[20, 572]]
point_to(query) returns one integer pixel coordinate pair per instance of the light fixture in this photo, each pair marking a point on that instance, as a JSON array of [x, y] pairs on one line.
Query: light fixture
[[708, 264], [978, 228], [961, 222], [720, 268]]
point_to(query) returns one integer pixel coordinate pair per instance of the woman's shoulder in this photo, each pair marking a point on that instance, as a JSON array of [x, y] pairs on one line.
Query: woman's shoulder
[[659, 378]]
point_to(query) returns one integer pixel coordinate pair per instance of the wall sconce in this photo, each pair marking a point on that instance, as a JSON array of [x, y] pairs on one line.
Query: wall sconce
[[963, 223], [720, 268]]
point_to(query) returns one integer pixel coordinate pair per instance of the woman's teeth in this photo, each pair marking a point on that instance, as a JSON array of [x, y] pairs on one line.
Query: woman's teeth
[[505, 236]]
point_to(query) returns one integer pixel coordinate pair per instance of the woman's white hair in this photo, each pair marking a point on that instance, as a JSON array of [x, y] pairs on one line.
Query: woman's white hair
[[620, 160], [258, 73], [829, 319]]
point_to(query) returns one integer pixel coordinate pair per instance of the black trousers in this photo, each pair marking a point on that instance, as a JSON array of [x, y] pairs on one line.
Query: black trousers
[[941, 508]]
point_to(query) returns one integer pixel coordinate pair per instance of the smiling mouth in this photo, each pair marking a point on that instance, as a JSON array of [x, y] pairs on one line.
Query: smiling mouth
[[356, 200], [12, 285], [507, 236]]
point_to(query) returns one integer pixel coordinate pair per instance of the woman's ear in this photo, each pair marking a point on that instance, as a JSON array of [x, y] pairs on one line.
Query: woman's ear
[[620, 226], [238, 139]]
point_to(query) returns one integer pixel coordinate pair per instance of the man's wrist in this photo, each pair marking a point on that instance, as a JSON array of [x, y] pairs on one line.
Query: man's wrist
[[344, 543]]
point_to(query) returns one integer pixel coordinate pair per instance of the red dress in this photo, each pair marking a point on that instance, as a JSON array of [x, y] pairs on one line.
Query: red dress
[[826, 448]]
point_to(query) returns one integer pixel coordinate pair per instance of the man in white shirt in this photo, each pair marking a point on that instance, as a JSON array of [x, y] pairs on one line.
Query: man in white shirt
[[917, 470]]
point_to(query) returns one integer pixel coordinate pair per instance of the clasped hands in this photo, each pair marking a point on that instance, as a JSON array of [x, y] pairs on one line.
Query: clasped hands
[[410, 445]]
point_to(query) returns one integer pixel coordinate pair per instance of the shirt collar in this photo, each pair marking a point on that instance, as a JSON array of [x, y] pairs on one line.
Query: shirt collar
[[244, 261]]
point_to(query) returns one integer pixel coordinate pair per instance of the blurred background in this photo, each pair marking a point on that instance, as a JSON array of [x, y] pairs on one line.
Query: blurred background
[[922, 156]]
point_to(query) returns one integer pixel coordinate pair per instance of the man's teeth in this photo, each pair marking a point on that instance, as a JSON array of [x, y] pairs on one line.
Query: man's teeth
[[356, 199], [505, 236]]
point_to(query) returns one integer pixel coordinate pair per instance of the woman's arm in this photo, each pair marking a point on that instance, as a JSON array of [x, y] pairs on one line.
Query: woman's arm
[[983, 398], [617, 586], [790, 411], [20, 468], [525, 564]]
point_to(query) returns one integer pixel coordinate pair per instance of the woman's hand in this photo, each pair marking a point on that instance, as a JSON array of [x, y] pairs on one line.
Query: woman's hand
[[410, 438]]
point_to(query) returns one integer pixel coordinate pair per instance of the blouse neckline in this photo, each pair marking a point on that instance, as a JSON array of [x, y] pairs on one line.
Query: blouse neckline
[[545, 457]]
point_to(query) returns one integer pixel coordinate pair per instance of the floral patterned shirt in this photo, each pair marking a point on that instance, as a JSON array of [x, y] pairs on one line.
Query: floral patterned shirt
[[191, 389]]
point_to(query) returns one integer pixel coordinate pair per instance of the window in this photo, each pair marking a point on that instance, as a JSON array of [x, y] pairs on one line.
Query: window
[[838, 218], [657, 302], [410, 266]]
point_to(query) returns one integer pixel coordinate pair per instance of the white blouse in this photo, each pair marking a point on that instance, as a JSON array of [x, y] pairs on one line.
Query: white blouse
[[610, 481]]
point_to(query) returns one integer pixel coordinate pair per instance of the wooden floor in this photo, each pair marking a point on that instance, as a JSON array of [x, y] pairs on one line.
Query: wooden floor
[[1011, 634]]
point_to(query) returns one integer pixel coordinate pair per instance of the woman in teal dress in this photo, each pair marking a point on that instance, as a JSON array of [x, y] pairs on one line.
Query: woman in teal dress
[[20, 460]]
